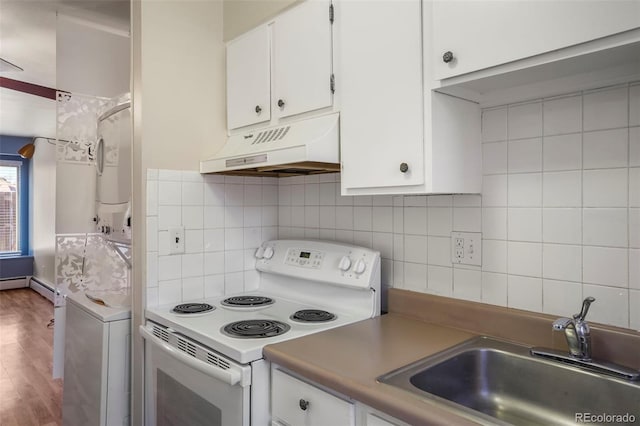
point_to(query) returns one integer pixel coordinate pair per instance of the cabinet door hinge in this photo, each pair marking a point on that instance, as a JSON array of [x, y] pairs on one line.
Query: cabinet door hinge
[[332, 83], [331, 16]]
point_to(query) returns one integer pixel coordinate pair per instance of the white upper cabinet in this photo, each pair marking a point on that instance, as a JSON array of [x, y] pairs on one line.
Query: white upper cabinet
[[380, 83], [396, 137], [281, 68], [302, 59], [248, 79], [474, 35]]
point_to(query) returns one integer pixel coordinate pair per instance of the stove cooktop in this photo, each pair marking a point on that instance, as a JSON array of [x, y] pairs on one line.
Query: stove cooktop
[[209, 329]]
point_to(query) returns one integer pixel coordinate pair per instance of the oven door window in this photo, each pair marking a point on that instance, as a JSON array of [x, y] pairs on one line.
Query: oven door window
[[178, 405], [177, 394]]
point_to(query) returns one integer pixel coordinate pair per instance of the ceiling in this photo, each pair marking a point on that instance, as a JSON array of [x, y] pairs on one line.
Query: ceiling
[[28, 40]]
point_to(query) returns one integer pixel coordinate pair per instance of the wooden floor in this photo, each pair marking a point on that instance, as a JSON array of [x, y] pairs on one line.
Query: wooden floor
[[28, 394]]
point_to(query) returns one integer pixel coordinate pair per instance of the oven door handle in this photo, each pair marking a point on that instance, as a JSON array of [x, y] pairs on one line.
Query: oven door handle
[[230, 377]]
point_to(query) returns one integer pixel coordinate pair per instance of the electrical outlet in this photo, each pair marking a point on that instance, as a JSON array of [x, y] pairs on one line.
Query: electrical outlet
[[176, 240], [466, 248]]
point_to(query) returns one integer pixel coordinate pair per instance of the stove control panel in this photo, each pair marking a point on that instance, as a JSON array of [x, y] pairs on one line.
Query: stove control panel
[[335, 263], [304, 258]]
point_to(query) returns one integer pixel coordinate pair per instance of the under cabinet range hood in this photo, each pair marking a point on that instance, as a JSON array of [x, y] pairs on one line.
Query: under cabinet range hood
[[303, 147]]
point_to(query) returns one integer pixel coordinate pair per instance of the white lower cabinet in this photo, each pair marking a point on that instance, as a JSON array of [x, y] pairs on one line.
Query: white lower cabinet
[[299, 402], [375, 418]]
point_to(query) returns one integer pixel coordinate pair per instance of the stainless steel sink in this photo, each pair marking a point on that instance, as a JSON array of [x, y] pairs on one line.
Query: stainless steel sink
[[499, 382]]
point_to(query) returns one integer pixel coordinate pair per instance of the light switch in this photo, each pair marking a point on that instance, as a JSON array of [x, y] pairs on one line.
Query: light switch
[[176, 240]]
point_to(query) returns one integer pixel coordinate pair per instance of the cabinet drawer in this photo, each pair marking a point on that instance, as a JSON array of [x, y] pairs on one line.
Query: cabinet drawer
[[297, 403], [373, 420]]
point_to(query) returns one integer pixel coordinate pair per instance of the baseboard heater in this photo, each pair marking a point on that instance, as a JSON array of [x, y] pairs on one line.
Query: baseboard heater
[[11, 283], [42, 287]]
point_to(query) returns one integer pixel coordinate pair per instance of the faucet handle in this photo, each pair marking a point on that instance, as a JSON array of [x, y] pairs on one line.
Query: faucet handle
[[585, 308]]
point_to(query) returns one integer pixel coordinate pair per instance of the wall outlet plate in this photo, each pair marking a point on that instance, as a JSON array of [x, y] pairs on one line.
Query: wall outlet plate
[[466, 248], [176, 240]]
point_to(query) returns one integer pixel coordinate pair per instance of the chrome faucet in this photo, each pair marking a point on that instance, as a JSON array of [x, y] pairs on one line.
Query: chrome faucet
[[577, 332], [578, 335]]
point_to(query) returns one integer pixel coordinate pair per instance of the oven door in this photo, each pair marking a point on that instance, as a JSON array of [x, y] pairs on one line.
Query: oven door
[[188, 384]]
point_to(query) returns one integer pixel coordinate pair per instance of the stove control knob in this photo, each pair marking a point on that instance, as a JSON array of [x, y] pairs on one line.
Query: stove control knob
[[345, 263], [360, 266], [268, 252], [259, 254]]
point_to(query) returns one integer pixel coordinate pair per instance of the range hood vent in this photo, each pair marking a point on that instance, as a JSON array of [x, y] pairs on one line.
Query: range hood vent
[[303, 147]]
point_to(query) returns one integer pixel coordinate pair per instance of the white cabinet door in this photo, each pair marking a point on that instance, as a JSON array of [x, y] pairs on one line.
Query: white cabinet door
[[381, 101], [248, 79], [297, 403], [302, 62], [482, 34]]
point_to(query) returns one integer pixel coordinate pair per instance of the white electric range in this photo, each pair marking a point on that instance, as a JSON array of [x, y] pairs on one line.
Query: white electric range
[[204, 358]]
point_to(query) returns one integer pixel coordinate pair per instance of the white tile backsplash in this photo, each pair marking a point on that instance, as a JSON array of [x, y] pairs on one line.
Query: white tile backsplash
[[524, 293], [605, 266], [494, 288], [605, 149], [562, 152], [612, 306], [606, 109], [562, 189], [494, 158], [525, 155], [605, 227], [467, 284], [562, 115], [225, 219], [525, 224], [562, 262], [440, 280], [525, 120], [605, 188], [524, 259], [525, 190], [559, 216], [494, 125], [562, 226]]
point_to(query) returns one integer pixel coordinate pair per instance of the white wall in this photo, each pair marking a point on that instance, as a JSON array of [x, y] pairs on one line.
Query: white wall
[[43, 210], [179, 115], [183, 83], [91, 60], [559, 214], [243, 15]]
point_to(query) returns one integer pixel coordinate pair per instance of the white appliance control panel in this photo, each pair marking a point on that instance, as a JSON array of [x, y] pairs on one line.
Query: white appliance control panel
[[335, 263], [304, 258]]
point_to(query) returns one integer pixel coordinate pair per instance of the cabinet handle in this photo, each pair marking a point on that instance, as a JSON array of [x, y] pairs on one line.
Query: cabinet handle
[[258, 109], [280, 103], [404, 167], [448, 57], [303, 404]]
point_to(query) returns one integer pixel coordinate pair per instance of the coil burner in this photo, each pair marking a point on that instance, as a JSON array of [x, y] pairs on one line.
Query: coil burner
[[247, 301], [192, 308], [312, 316], [255, 329]]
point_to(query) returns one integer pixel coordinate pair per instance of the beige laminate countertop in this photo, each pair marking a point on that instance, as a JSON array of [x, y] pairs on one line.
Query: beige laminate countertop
[[349, 359]]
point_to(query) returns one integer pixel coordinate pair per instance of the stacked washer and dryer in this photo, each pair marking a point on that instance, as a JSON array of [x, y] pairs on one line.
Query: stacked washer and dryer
[[98, 322]]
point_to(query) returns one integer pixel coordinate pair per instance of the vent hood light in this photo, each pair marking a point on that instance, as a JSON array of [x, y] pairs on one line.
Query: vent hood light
[[309, 146]]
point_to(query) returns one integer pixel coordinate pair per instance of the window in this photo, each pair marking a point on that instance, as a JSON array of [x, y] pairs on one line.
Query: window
[[10, 223]]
